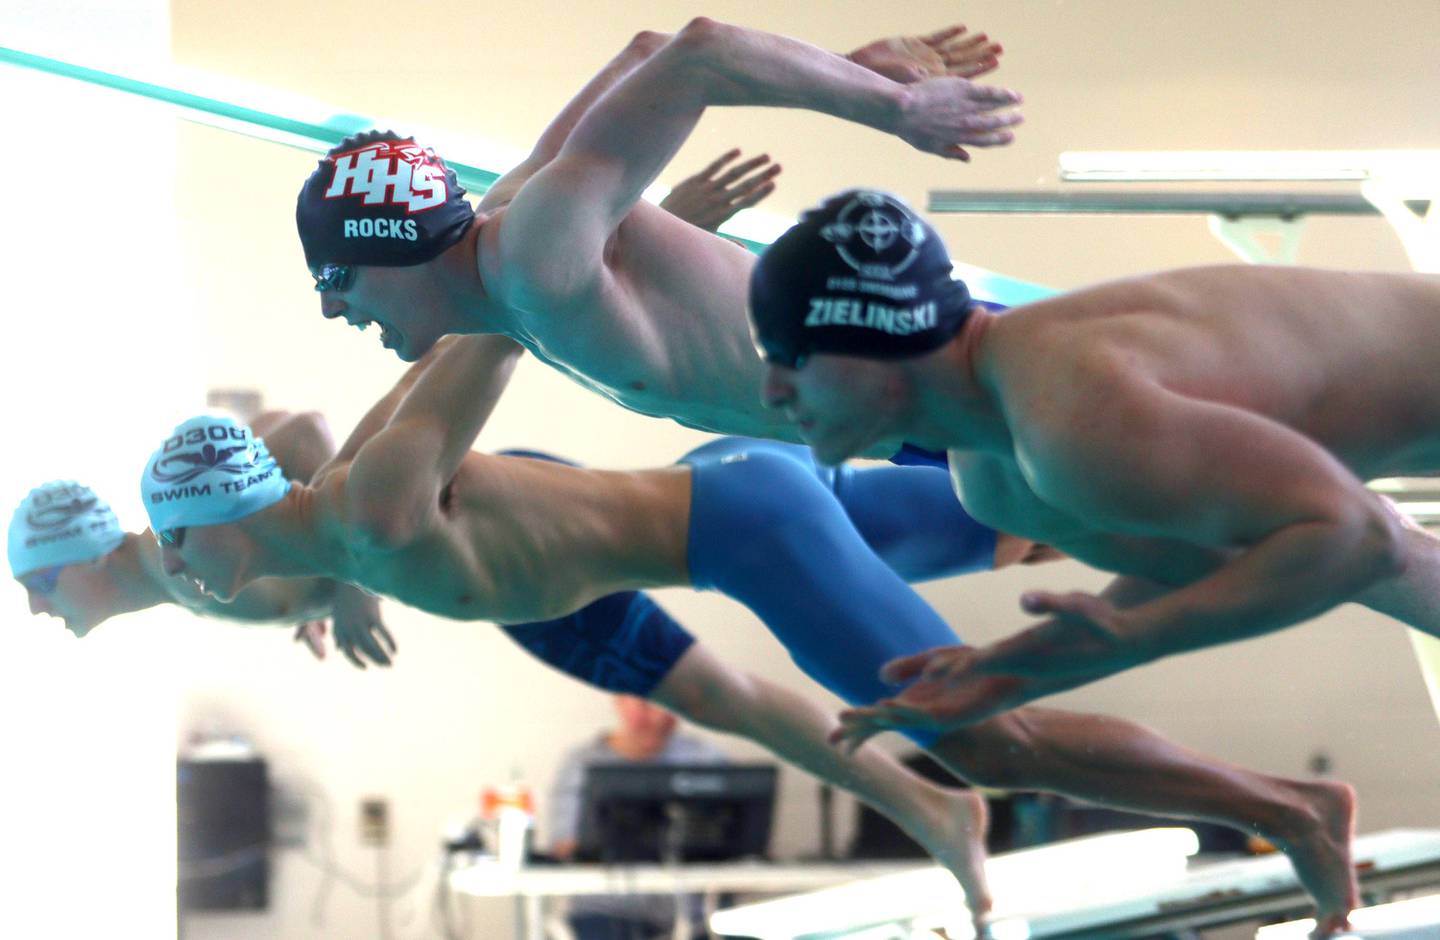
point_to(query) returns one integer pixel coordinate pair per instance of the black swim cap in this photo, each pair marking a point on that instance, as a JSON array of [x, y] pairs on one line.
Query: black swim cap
[[861, 275], [379, 198]]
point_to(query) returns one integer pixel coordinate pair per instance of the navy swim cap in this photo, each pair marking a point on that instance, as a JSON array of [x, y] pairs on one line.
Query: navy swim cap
[[861, 275], [378, 198]]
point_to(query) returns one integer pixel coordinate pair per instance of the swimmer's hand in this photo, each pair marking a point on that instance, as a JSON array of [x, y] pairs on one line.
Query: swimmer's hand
[[947, 692], [944, 115], [709, 198], [358, 627], [312, 634], [953, 686], [949, 51]]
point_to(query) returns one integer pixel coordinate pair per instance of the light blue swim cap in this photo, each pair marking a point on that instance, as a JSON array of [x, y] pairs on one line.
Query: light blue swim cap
[[61, 523], [210, 470]]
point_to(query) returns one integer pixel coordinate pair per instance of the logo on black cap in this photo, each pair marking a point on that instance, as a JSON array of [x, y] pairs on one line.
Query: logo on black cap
[[390, 173], [876, 235]]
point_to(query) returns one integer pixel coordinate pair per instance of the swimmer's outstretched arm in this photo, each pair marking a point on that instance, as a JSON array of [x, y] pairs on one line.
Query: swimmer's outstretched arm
[[1310, 535], [641, 47], [392, 493], [1280, 531], [902, 58], [627, 137]]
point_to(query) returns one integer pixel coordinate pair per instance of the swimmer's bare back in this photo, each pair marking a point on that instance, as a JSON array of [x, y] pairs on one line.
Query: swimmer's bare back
[[1348, 359]]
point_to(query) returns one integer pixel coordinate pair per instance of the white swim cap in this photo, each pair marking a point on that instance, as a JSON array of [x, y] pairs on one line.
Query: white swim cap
[[210, 470], [61, 523]]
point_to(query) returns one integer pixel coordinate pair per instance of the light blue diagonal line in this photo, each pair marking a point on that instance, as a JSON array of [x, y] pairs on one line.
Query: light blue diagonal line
[[326, 133]]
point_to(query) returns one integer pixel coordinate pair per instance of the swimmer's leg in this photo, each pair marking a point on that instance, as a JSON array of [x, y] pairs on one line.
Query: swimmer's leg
[[1125, 765], [775, 540], [908, 515], [950, 823], [627, 643]]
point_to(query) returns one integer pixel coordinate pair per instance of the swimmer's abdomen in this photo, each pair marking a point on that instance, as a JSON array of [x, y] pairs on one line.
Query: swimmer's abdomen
[[529, 540]]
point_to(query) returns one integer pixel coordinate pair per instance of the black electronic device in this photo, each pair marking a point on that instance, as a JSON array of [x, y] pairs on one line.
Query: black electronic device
[[676, 812], [223, 817]]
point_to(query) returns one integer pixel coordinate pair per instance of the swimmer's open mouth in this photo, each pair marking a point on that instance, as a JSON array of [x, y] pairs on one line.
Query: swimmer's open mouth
[[390, 337]]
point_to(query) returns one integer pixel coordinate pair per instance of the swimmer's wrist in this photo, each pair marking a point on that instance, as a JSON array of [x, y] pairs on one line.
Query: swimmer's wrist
[[1152, 631], [896, 100], [1134, 639]]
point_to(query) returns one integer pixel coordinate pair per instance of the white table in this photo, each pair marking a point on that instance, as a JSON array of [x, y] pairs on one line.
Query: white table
[[532, 887]]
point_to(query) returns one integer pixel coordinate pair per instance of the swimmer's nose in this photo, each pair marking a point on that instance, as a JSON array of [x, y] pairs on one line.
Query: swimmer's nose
[[331, 306], [171, 561], [38, 603], [778, 392]]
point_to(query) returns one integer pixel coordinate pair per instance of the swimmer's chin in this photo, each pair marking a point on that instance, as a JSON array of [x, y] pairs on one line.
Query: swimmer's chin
[[834, 453], [831, 456], [404, 353]]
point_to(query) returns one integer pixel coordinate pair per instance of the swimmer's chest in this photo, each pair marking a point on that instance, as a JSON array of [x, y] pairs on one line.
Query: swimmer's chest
[[994, 491], [717, 397]]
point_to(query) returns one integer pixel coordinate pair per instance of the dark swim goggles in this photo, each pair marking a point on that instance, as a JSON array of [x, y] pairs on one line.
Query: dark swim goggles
[[174, 538], [336, 277], [44, 580], [787, 355]]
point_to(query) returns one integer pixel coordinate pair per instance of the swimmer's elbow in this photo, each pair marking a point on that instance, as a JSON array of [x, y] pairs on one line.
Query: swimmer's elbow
[[701, 41], [647, 42], [316, 428], [313, 436], [1373, 541], [1384, 545], [702, 32]]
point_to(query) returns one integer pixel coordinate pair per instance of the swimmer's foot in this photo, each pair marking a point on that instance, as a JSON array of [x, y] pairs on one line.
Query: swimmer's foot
[[1320, 849], [954, 835]]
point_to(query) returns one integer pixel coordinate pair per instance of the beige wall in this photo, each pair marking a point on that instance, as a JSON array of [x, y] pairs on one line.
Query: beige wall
[[462, 707]]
